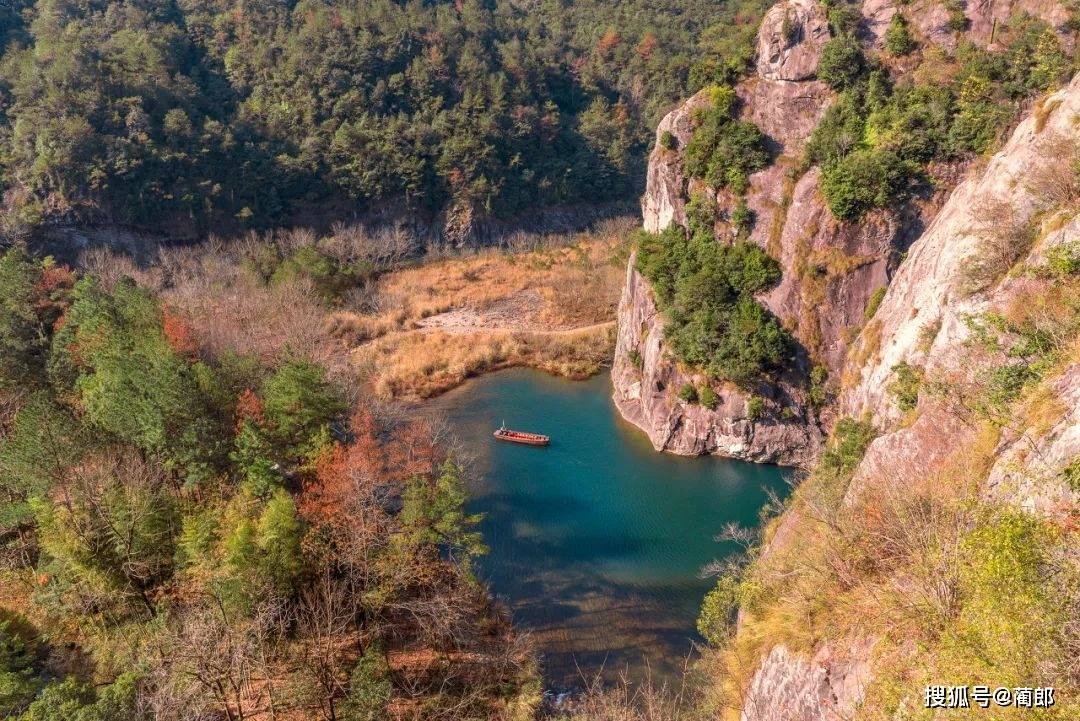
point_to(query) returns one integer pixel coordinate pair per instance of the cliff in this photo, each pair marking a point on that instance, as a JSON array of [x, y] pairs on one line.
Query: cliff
[[647, 386], [926, 322], [830, 269], [963, 378]]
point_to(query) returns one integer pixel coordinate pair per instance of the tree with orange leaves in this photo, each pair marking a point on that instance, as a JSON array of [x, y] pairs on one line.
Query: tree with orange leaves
[[608, 41], [178, 333]]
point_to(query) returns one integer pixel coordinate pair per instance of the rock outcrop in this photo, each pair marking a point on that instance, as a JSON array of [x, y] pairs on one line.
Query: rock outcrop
[[830, 269], [828, 686], [785, 100], [922, 319], [647, 382], [931, 20], [925, 321], [925, 317], [790, 40], [665, 184]]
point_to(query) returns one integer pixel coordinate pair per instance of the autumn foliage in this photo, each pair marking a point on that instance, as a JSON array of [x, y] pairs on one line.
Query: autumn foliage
[[178, 333]]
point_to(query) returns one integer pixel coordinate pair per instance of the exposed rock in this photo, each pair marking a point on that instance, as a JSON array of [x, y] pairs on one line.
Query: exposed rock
[[930, 19], [827, 687], [830, 270], [1030, 471], [786, 102], [924, 322], [909, 455], [783, 99], [665, 184], [786, 112], [647, 383], [790, 39], [922, 318]]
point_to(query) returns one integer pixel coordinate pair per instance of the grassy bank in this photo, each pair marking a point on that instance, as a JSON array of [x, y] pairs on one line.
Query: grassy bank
[[548, 303]]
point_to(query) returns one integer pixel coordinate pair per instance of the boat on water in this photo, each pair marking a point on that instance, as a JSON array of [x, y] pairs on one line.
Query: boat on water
[[530, 439]]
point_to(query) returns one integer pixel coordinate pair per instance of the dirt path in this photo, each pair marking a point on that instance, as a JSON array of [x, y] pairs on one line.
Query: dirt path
[[517, 313], [466, 328]]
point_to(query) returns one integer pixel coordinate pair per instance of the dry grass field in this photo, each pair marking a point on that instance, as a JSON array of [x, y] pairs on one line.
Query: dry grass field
[[414, 328], [550, 306]]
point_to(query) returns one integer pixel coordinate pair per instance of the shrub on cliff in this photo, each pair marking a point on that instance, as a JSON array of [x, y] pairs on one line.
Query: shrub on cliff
[[905, 386], [724, 151], [874, 302], [898, 40], [874, 142], [864, 180], [846, 447], [707, 291], [842, 63], [688, 393]]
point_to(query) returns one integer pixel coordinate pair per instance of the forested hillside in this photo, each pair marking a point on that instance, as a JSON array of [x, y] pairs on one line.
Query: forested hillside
[[187, 113], [193, 533]]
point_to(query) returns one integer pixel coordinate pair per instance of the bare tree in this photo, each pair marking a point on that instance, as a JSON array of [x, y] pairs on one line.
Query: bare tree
[[216, 653], [325, 619]]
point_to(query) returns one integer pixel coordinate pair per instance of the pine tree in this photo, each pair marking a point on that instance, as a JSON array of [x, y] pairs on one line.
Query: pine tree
[[299, 405], [369, 688], [278, 536], [434, 516]]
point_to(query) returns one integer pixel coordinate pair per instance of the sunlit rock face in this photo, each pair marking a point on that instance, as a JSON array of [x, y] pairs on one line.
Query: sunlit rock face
[[647, 383], [790, 40], [922, 321]]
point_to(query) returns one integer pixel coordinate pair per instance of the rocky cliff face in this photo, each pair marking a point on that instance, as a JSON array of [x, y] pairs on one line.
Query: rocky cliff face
[[785, 100], [924, 322], [646, 386], [931, 19], [924, 256], [830, 269], [925, 317]]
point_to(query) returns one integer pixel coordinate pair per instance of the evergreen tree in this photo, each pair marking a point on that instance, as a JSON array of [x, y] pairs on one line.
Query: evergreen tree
[[433, 514], [277, 537], [369, 688], [114, 354], [299, 405]]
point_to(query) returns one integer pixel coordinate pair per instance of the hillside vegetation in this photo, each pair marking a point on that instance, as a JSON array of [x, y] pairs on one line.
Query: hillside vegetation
[[188, 115], [197, 532]]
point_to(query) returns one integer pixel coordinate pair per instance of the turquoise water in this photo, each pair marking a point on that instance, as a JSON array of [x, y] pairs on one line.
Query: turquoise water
[[597, 541]]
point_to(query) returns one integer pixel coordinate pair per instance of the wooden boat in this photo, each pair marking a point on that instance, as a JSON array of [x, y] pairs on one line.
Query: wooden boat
[[529, 439]]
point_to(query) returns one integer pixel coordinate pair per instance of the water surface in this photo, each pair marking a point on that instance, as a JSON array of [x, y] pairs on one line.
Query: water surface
[[597, 541]]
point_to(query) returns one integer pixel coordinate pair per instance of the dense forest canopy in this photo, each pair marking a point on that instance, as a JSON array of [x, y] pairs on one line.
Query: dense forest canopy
[[199, 111]]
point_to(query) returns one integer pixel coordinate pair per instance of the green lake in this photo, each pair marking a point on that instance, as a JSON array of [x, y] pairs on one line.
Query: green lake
[[597, 541]]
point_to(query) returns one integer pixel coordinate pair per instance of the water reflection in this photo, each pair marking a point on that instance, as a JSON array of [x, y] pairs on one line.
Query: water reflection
[[596, 541]]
